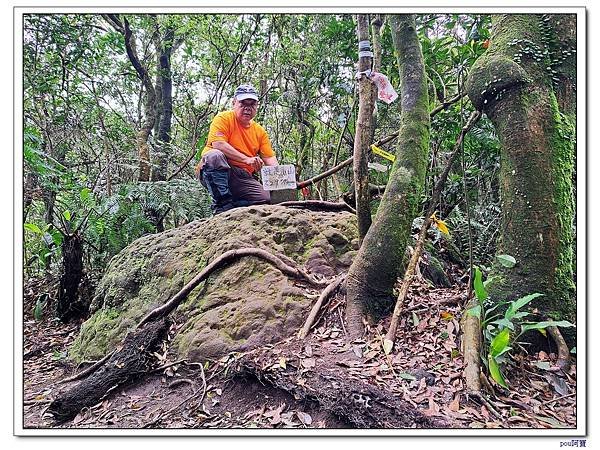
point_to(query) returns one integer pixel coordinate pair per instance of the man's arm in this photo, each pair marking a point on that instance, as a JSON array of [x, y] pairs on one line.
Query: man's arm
[[231, 153], [270, 161]]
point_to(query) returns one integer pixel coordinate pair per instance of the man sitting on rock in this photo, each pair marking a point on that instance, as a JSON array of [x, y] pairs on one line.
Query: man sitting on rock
[[236, 148]]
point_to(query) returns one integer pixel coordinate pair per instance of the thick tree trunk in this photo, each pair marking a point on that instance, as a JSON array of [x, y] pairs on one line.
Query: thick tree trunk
[[364, 127], [376, 267], [513, 84]]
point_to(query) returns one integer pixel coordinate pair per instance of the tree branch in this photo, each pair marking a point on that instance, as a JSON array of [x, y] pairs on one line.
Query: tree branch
[[410, 270]]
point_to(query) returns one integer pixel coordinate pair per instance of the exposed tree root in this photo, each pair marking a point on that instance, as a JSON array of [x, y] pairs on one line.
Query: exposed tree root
[[327, 292], [199, 399], [319, 205], [84, 373], [360, 404], [484, 401], [220, 262], [134, 358]]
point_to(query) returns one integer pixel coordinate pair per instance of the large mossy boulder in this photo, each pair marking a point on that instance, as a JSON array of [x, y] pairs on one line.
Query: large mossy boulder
[[247, 304]]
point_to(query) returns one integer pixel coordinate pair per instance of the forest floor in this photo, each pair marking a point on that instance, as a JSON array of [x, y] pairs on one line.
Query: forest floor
[[424, 372]]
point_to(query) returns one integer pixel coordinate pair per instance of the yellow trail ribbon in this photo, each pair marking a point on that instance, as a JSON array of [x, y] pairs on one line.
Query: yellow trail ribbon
[[382, 153], [440, 224]]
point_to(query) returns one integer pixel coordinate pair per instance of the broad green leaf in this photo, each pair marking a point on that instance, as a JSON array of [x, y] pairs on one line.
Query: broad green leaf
[[56, 235], [495, 372], [520, 315], [506, 260], [505, 323], [32, 227], [542, 325], [506, 350], [67, 215], [574, 350], [478, 286], [500, 342], [519, 303], [489, 280]]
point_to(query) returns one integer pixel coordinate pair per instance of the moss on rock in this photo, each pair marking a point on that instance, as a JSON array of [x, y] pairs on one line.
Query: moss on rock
[[246, 304]]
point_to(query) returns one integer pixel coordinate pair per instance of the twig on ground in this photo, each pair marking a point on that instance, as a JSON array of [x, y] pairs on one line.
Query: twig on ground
[[478, 395], [166, 366], [558, 398], [181, 403]]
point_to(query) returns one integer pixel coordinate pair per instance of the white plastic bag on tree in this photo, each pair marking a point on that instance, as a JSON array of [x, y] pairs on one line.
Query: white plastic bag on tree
[[385, 90]]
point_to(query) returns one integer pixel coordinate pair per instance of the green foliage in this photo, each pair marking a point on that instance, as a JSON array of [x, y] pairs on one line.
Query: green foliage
[[40, 305], [500, 330]]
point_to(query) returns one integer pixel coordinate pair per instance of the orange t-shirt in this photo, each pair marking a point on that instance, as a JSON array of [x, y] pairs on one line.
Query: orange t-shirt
[[250, 141]]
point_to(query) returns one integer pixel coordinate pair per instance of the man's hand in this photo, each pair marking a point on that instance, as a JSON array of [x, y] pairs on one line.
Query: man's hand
[[256, 163]]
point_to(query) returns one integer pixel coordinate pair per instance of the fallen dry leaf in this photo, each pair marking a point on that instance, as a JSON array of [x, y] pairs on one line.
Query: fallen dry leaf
[[455, 404]]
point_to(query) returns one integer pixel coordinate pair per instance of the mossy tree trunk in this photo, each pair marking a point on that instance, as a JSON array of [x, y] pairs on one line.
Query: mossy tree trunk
[[376, 267], [521, 83]]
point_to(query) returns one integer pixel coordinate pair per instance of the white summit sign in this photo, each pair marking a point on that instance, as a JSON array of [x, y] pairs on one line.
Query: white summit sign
[[275, 178]]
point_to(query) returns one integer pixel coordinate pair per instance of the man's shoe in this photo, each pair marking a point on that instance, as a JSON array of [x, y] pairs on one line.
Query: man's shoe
[[223, 208]]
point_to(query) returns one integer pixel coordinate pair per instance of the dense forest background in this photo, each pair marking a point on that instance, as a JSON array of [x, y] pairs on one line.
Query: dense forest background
[[89, 169]]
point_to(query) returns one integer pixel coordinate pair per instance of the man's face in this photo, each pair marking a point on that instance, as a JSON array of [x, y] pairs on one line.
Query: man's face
[[245, 110]]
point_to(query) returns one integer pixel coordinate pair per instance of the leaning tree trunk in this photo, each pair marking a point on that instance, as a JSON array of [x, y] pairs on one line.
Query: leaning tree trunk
[[143, 133], [516, 84], [376, 267]]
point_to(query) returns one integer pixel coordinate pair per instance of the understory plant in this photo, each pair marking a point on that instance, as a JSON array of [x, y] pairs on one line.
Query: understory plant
[[501, 331]]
